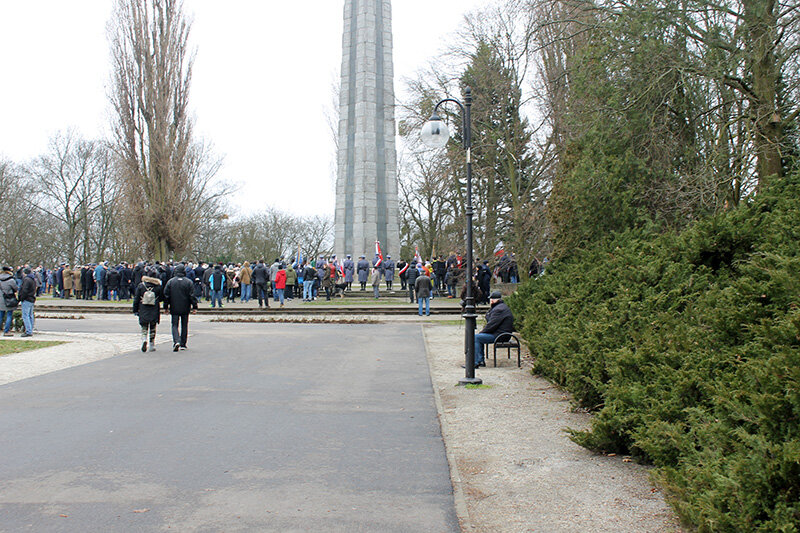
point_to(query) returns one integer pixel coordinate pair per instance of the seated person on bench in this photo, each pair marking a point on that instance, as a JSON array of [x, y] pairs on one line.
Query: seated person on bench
[[499, 320]]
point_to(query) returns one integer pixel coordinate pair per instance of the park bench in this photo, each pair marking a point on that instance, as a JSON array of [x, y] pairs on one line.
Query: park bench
[[508, 341]]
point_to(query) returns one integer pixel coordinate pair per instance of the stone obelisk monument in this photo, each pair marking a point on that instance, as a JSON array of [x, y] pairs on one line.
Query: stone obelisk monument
[[366, 184]]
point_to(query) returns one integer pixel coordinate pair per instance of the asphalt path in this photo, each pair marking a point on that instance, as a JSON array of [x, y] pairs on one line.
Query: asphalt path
[[257, 427]]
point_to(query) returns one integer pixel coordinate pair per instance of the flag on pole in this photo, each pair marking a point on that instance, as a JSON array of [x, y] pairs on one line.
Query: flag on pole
[[298, 258], [378, 254], [499, 249]]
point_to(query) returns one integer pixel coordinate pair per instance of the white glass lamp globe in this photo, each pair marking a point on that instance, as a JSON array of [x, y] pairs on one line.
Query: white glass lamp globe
[[435, 133]]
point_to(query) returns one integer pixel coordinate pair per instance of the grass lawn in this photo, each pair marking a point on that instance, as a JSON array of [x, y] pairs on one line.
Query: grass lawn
[[15, 346]]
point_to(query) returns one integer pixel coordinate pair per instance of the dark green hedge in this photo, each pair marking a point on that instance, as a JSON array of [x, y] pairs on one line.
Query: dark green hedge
[[687, 346]]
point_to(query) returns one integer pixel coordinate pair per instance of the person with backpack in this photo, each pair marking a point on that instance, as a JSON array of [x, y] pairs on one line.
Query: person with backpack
[[146, 302], [216, 284], [179, 300], [8, 300]]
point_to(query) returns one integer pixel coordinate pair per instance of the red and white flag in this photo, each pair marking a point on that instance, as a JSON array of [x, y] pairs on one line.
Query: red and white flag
[[500, 249], [378, 253]]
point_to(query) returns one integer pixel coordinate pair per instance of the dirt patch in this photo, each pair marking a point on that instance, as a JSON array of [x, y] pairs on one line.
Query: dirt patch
[[513, 465]]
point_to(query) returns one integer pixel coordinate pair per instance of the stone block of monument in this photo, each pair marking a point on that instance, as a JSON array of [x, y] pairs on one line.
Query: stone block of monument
[[366, 182]]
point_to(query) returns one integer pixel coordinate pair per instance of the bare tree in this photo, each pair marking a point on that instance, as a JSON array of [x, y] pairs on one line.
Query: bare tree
[[73, 184], [166, 176], [26, 234], [426, 203]]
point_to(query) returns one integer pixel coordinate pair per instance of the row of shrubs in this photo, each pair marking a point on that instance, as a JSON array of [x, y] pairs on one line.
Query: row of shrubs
[[687, 346]]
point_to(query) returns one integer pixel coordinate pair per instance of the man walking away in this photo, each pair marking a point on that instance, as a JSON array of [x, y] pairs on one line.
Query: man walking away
[[179, 300], [27, 297], [423, 288], [146, 299]]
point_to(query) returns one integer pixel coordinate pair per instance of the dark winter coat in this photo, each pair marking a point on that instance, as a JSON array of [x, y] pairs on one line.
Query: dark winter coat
[[126, 276], [148, 314], [423, 286], [310, 273], [179, 296], [499, 319], [138, 272], [207, 275], [218, 280], [27, 292], [411, 274], [260, 274], [199, 272], [86, 278], [112, 279]]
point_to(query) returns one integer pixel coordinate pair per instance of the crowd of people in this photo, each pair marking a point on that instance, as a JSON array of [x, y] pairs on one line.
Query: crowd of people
[[260, 281]]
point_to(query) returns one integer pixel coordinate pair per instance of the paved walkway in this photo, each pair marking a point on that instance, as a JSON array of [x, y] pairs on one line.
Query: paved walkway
[[297, 427], [254, 428]]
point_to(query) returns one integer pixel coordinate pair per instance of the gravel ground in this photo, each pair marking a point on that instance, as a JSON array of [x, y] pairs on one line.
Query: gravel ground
[[514, 468]]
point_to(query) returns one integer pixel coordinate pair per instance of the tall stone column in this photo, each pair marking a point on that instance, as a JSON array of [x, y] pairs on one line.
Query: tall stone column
[[366, 184]]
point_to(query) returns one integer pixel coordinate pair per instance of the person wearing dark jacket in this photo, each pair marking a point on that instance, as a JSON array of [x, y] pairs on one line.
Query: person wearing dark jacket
[[206, 287], [148, 314], [411, 279], [125, 278], [199, 273], [499, 319], [179, 300], [484, 282], [87, 283], [8, 293], [260, 278], [309, 275], [216, 284], [112, 283], [27, 297]]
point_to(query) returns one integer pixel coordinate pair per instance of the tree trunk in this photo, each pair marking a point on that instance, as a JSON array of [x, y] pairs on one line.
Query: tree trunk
[[761, 30]]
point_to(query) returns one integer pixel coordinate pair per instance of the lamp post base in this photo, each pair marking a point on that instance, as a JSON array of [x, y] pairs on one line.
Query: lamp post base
[[470, 381]]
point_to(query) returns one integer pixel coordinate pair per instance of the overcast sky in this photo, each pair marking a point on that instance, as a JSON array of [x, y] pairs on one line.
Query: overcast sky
[[262, 86]]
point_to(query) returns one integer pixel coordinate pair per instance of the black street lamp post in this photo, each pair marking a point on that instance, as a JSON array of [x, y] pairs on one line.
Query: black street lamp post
[[435, 134]]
